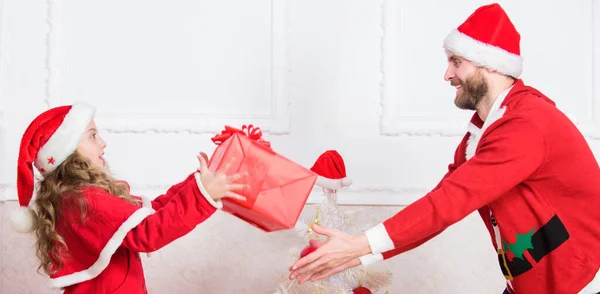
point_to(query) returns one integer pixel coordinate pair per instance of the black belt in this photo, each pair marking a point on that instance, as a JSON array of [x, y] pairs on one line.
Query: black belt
[[549, 237]]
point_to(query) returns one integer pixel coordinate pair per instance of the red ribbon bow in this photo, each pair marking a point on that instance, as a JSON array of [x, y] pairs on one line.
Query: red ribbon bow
[[254, 133]]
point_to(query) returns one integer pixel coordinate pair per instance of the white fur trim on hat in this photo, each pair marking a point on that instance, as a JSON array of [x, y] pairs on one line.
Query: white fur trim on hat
[[484, 55], [23, 219], [65, 139], [333, 184]]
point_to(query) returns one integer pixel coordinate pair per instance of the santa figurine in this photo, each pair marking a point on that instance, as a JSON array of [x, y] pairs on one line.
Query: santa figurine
[[331, 171]]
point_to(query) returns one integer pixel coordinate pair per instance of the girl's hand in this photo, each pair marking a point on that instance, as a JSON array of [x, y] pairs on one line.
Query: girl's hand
[[217, 184]]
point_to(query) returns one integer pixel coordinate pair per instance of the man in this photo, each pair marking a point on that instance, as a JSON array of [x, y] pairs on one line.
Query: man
[[523, 165]]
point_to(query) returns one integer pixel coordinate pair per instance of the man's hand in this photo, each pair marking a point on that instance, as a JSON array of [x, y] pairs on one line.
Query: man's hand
[[338, 253]]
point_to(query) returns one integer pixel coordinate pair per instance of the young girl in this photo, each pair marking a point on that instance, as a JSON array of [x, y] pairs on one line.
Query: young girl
[[89, 228]]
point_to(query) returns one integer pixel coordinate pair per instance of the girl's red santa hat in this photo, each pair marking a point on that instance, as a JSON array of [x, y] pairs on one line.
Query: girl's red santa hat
[[48, 141], [331, 170], [488, 39]]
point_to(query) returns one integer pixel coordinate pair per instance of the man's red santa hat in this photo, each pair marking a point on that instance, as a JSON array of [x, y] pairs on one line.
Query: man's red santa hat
[[48, 141], [331, 170], [488, 39]]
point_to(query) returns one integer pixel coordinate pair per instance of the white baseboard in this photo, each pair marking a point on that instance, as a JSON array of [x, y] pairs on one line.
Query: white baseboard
[[349, 196]]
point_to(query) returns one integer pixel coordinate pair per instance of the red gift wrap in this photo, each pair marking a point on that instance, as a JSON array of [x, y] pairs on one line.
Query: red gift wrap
[[278, 187]]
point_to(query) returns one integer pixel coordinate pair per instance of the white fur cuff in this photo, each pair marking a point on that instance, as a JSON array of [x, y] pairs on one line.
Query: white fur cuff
[[217, 204], [146, 202], [379, 240], [370, 259]]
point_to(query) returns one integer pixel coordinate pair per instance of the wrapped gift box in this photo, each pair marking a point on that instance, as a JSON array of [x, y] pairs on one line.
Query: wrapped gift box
[[278, 187]]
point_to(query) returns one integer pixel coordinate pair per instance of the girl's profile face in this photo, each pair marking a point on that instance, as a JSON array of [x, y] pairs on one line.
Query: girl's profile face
[[91, 146]]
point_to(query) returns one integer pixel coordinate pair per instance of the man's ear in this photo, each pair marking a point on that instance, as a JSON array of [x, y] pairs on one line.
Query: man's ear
[[492, 71]]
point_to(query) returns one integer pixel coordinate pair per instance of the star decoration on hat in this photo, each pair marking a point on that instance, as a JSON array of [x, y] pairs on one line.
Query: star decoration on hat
[[51, 160]]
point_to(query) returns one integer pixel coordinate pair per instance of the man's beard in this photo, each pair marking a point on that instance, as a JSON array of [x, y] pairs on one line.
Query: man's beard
[[474, 88]]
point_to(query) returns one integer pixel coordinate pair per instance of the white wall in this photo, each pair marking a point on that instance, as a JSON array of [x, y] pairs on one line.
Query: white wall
[[165, 77]]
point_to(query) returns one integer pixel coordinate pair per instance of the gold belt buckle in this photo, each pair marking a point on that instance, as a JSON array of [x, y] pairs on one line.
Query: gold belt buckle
[[508, 277]]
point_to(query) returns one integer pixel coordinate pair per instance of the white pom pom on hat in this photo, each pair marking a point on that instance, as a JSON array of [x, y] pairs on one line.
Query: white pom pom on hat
[[23, 219]]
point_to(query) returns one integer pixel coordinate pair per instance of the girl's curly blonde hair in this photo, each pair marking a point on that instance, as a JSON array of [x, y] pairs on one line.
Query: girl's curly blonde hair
[[68, 180]]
